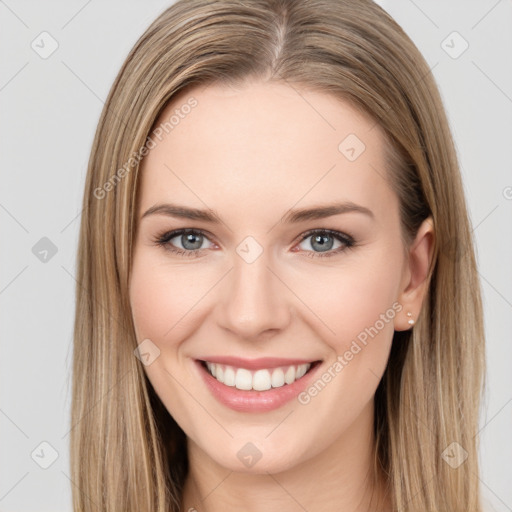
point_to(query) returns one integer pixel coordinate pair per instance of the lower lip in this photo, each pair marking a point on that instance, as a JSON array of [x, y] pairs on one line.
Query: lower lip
[[255, 401]]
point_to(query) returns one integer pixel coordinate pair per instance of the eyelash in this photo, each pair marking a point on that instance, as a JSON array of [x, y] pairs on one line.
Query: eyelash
[[163, 239]]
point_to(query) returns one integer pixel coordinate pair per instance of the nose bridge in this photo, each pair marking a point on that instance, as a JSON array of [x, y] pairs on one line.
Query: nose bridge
[[253, 299]]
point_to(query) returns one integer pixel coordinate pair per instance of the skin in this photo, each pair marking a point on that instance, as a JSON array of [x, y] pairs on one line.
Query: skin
[[252, 154]]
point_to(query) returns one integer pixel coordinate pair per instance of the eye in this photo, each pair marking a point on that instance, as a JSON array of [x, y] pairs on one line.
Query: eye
[[185, 242], [320, 242]]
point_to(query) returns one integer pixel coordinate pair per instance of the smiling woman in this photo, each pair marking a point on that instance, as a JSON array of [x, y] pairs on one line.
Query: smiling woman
[[278, 306]]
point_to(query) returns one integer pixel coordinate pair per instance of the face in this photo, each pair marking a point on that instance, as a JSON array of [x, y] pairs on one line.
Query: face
[[258, 286]]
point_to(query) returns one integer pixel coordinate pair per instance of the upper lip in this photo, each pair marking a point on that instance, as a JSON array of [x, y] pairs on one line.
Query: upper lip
[[255, 364]]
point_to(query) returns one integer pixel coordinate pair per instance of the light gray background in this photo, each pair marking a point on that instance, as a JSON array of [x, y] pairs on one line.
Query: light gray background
[[49, 110]]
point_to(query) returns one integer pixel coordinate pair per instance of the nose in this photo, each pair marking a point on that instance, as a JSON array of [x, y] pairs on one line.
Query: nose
[[254, 302]]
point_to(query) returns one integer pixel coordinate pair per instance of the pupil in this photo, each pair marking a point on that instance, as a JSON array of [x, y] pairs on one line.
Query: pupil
[[322, 240], [189, 239]]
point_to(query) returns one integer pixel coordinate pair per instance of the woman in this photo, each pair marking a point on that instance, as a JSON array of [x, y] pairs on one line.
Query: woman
[[278, 304]]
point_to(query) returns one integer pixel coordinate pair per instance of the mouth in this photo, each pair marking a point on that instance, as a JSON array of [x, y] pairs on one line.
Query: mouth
[[256, 385], [257, 380]]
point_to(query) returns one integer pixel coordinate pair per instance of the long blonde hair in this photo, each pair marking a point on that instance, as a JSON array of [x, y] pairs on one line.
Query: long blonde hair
[[127, 453]]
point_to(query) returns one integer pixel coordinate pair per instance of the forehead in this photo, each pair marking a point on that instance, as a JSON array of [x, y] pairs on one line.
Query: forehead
[[264, 144]]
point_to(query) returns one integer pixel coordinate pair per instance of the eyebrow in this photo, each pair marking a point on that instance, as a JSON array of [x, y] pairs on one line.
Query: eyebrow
[[293, 216]]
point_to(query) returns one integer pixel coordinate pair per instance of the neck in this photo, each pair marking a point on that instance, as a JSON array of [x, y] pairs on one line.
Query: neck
[[339, 478]]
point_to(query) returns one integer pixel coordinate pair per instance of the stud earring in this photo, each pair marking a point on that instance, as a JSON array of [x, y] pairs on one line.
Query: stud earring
[[410, 321]]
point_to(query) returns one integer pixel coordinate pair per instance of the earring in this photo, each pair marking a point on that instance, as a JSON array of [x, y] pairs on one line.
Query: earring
[[410, 321]]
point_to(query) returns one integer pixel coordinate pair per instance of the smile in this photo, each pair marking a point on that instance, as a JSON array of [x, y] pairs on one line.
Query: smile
[[267, 385], [260, 380]]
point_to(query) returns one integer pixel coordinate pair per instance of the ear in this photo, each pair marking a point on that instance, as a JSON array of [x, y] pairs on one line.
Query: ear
[[415, 280]]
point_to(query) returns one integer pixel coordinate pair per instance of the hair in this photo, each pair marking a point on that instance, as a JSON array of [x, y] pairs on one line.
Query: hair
[[127, 452]]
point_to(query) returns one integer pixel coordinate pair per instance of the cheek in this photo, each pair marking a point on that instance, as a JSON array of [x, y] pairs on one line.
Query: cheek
[[355, 303], [358, 304], [163, 299]]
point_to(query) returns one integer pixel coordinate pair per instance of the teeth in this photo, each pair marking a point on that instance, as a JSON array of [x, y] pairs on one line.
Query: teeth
[[289, 376], [229, 376], [301, 370], [243, 378], [277, 378], [212, 368], [259, 380]]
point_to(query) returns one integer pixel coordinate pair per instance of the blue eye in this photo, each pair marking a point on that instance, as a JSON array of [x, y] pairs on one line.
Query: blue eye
[[323, 240], [191, 241]]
